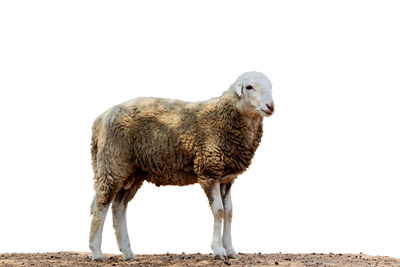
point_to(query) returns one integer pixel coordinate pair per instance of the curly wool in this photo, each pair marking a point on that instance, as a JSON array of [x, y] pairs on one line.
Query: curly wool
[[172, 142]]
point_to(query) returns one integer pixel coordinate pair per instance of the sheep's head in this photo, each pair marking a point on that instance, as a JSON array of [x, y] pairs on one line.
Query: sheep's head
[[254, 92]]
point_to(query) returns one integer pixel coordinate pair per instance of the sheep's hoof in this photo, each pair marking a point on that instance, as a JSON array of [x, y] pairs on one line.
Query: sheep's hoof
[[127, 254], [129, 257], [98, 257], [220, 257], [233, 256]]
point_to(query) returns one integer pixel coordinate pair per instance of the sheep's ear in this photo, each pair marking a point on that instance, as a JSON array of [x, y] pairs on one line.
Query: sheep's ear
[[239, 88]]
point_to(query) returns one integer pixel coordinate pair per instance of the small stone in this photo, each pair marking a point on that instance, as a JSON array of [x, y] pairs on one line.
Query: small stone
[[276, 263], [114, 264]]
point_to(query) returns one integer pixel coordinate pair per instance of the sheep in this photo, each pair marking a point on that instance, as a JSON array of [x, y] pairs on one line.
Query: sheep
[[173, 142]]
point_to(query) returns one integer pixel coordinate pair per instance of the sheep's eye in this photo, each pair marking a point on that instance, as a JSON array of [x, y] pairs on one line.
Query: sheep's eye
[[249, 87]]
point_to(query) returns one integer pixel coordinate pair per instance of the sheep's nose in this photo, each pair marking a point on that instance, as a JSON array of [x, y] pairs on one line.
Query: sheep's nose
[[271, 106]]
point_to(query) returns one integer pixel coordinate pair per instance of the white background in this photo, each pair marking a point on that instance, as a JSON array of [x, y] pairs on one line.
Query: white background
[[325, 178]]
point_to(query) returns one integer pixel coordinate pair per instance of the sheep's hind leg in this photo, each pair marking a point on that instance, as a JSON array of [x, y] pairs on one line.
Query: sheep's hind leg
[[96, 230], [213, 192], [119, 222], [119, 207], [105, 193], [226, 236]]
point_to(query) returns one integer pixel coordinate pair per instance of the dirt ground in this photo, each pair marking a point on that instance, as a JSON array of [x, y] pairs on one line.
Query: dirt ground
[[258, 259]]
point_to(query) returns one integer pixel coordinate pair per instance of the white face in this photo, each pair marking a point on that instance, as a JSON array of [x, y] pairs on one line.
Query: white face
[[254, 90]]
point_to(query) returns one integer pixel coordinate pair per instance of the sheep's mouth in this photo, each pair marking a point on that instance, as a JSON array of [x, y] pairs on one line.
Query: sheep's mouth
[[267, 112]]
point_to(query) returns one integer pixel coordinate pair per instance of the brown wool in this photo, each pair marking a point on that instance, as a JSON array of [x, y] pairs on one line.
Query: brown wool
[[171, 142]]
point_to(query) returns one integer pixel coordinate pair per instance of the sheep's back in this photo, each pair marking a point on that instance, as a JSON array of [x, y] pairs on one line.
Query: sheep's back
[[159, 132]]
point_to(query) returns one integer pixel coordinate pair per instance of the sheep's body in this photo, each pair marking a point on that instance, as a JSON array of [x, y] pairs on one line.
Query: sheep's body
[[168, 142], [171, 142]]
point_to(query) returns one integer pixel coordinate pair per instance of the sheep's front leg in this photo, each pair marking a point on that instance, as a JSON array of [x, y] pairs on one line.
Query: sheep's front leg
[[226, 236], [213, 192]]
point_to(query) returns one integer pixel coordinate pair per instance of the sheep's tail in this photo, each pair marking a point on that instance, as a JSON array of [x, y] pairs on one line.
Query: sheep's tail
[[93, 150], [94, 147]]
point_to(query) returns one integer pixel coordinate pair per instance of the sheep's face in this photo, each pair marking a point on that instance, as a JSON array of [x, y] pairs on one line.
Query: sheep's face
[[255, 94]]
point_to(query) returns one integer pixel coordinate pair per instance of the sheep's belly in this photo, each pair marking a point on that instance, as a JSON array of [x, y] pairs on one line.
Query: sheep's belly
[[175, 178], [186, 176]]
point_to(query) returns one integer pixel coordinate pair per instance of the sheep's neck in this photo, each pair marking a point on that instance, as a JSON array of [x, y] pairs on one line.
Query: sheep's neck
[[241, 129]]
